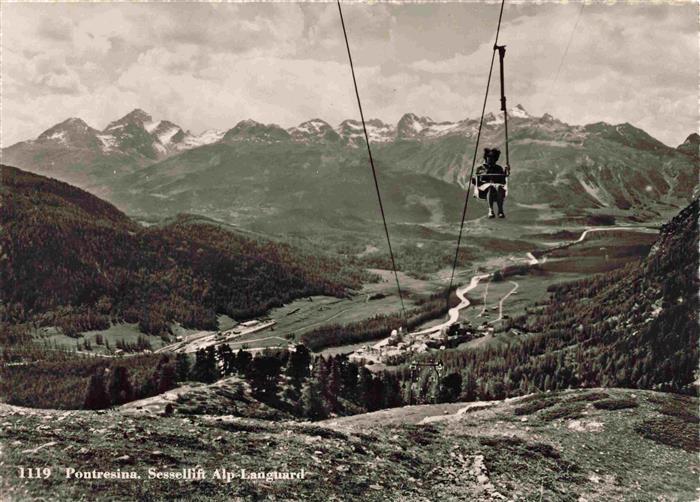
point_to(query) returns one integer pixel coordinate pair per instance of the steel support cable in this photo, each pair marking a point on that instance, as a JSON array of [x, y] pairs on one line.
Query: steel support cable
[[566, 51], [371, 162], [476, 149]]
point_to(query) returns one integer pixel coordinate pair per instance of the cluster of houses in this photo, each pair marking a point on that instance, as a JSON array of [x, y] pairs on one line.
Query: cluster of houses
[[400, 342], [203, 339]]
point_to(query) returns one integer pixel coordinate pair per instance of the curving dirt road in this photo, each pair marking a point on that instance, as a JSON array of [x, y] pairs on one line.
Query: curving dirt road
[[585, 233], [453, 313], [505, 297]]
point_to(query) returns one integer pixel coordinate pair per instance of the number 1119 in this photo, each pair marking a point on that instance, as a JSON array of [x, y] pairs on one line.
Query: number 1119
[[35, 472]]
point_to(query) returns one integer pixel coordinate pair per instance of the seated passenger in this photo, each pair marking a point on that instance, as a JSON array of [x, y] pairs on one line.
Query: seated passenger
[[490, 181]]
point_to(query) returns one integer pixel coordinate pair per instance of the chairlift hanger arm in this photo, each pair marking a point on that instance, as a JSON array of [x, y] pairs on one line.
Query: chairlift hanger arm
[[501, 56]]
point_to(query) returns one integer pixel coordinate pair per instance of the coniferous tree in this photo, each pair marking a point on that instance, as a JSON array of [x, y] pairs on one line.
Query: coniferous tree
[[298, 365], [312, 400], [205, 369], [242, 362], [423, 387], [166, 378], [468, 386], [182, 367], [365, 388], [450, 388], [96, 397], [333, 384], [349, 376], [226, 356], [376, 399], [391, 391], [120, 389], [264, 374]]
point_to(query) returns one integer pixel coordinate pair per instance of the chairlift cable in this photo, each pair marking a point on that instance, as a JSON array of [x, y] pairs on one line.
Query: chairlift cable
[[371, 162], [476, 148], [566, 50]]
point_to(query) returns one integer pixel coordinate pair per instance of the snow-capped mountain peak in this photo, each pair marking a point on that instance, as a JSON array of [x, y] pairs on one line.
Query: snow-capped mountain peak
[[519, 112], [168, 133], [493, 120], [313, 125], [379, 132], [72, 124], [313, 130], [135, 117], [496, 119], [206, 138], [411, 125], [137, 130], [73, 132]]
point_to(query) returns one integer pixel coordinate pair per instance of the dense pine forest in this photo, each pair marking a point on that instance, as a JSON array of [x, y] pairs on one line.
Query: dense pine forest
[[76, 262], [36, 377], [294, 382]]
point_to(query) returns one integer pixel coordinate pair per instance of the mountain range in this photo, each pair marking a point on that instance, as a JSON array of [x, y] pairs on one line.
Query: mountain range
[[315, 176], [138, 132]]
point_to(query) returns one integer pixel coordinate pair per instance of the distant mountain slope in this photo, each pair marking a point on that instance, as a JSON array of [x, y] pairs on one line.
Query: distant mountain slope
[[575, 169], [691, 146], [315, 130], [285, 187], [76, 261]]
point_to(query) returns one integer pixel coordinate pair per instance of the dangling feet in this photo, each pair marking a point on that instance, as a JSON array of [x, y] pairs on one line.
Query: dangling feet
[[491, 215], [501, 214]]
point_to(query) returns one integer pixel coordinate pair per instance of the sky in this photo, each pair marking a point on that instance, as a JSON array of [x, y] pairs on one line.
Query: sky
[[210, 65]]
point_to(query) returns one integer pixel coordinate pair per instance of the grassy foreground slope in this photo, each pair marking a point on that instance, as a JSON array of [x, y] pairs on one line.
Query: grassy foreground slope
[[577, 445]]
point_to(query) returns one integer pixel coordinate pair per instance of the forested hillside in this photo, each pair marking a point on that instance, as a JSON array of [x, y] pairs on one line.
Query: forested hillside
[[634, 327], [73, 260]]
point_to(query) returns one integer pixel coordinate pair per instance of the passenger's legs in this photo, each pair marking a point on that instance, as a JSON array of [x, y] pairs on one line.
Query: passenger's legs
[[500, 199], [491, 197]]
